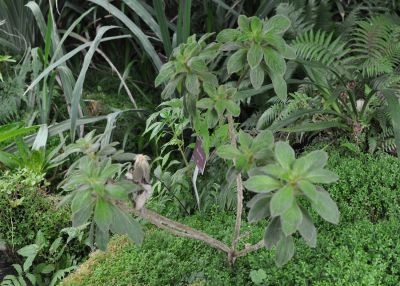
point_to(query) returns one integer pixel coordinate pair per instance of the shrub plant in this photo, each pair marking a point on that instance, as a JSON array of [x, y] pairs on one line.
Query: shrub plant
[[211, 99]]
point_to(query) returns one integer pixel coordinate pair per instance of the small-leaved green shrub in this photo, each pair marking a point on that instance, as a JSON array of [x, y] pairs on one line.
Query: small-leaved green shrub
[[362, 253], [26, 208]]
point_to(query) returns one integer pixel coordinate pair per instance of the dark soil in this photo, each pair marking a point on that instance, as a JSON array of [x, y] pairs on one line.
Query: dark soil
[[5, 265]]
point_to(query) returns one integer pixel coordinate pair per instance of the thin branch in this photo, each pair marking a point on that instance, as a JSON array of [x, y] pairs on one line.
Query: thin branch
[[181, 229], [250, 248], [239, 187]]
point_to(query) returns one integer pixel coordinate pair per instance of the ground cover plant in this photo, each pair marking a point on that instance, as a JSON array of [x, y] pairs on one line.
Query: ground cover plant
[[240, 142]]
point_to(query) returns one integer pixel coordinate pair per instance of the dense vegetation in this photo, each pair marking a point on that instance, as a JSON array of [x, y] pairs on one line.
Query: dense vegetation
[[185, 142]]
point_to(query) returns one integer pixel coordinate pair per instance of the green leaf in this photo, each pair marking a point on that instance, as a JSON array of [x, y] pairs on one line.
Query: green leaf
[[192, 84], [284, 154], [228, 35], [309, 190], [205, 103], [312, 161], [117, 192], [284, 251], [244, 23], [279, 84], [232, 107], [291, 219], [256, 24], [83, 214], [102, 238], [274, 61], [263, 140], [81, 198], [273, 233], [165, 74], [326, 207], [281, 201], [123, 223], [257, 77], [169, 89], [261, 184], [259, 210], [103, 214], [228, 152], [29, 250], [245, 139], [278, 24], [254, 55], [78, 88], [307, 229], [142, 38], [321, 176], [237, 61]]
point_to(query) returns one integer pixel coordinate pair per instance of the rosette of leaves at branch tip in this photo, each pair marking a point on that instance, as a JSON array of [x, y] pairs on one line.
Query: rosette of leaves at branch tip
[[279, 187], [250, 152], [187, 69], [220, 101], [259, 46], [98, 191]]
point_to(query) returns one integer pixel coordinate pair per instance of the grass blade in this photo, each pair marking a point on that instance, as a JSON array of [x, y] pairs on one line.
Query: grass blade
[[184, 14], [77, 92], [159, 8], [65, 58], [139, 9], [136, 31]]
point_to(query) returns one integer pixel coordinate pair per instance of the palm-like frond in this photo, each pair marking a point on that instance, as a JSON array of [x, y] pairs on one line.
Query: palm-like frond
[[376, 43]]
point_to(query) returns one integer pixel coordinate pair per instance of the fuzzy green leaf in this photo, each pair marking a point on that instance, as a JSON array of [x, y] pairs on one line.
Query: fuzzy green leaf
[[237, 61], [244, 23], [192, 84], [259, 210], [103, 214], [284, 251], [291, 219], [308, 189], [228, 152], [257, 77], [274, 61], [278, 24], [256, 24], [284, 154], [312, 161], [228, 35], [232, 107], [279, 84], [254, 55], [273, 233], [326, 207], [281, 201], [321, 176], [307, 229], [262, 184], [166, 72]]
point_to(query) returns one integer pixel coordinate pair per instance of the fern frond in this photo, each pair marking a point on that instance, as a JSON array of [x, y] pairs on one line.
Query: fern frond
[[322, 48], [377, 44], [297, 17]]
